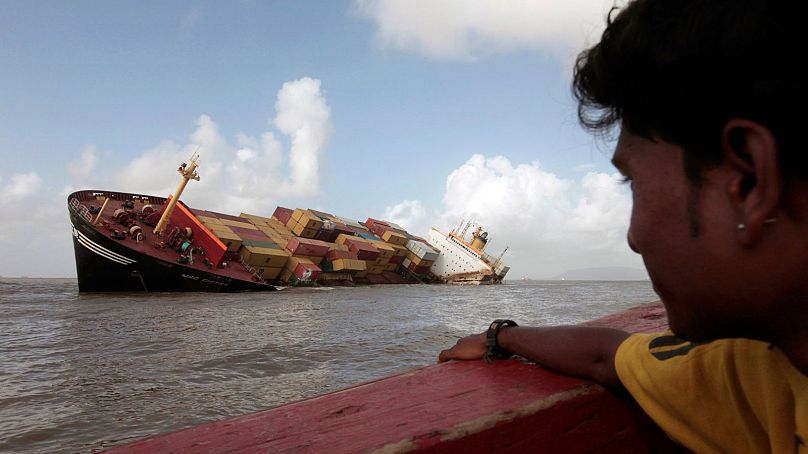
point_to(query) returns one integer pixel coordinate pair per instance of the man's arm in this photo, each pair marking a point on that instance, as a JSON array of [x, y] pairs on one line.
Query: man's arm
[[580, 351]]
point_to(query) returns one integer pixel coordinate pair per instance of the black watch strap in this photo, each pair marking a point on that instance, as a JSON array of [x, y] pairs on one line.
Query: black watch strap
[[494, 350]]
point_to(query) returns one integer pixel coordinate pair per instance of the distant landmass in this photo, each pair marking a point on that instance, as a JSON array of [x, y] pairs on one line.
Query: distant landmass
[[612, 273]]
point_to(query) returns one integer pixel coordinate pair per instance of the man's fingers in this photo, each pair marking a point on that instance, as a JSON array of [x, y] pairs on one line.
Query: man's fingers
[[444, 356]]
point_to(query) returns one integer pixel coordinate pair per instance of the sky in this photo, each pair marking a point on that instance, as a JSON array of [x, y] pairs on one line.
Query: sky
[[424, 113]]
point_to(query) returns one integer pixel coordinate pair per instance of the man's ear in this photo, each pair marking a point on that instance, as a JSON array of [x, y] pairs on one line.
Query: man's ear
[[750, 151]]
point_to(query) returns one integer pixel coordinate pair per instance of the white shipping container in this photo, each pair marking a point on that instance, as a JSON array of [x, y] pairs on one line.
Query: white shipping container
[[422, 251]]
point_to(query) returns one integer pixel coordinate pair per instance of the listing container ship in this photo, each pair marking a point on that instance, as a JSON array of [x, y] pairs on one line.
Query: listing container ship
[[463, 262], [135, 242]]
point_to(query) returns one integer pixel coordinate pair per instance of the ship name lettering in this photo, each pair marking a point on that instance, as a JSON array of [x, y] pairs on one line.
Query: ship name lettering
[[211, 281]]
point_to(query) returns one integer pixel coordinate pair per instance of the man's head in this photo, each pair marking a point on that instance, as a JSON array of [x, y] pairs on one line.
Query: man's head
[[704, 91], [680, 69]]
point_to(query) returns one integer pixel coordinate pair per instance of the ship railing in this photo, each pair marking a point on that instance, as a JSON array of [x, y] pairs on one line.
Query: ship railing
[[81, 209]]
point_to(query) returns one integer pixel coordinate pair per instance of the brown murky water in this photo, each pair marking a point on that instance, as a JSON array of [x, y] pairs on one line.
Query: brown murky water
[[82, 372]]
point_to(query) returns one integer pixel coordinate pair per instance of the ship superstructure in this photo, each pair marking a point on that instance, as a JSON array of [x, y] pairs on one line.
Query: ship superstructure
[[464, 262]]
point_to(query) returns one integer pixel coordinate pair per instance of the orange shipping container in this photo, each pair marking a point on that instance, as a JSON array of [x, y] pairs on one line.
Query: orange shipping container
[[219, 228], [385, 250], [264, 257], [310, 221], [255, 219], [308, 233], [313, 259], [269, 273], [209, 220], [349, 265], [230, 239], [294, 261], [338, 247], [394, 238], [240, 224]]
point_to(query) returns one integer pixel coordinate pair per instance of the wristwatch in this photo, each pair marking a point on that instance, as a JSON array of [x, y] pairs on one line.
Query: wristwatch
[[494, 350]]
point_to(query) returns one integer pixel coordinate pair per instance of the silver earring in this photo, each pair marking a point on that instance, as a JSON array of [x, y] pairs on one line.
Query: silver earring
[[765, 221]]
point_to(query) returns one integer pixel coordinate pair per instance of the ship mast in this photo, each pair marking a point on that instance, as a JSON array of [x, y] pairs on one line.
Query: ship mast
[[188, 173], [499, 259], [463, 233]]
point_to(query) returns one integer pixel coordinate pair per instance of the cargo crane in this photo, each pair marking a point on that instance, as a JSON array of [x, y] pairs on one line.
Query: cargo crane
[[188, 173]]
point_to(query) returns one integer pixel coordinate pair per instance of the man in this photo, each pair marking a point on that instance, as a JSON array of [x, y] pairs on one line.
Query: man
[[707, 96]]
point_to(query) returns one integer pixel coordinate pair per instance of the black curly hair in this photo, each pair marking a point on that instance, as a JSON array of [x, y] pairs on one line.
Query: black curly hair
[[678, 70]]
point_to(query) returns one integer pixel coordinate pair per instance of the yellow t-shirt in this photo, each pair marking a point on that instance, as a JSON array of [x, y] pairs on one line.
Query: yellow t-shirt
[[731, 395]]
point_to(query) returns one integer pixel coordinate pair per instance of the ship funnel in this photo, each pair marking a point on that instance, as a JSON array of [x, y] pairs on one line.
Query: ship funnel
[[480, 239]]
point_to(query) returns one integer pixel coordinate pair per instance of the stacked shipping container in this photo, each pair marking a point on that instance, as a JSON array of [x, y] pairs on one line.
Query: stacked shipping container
[[303, 246]]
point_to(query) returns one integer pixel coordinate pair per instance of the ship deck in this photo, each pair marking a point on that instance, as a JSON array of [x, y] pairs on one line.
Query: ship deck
[[148, 245]]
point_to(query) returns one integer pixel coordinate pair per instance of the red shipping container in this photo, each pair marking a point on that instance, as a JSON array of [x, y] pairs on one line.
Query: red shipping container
[[230, 217], [334, 255], [248, 233], [201, 213], [378, 229], [340, 228], [418, 269], [396, 259], [305, 246], [283, 214], [363, 250], [327, 235], [371, 222], [307, 272]]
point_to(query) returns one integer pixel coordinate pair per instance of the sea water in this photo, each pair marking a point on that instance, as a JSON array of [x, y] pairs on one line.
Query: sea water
[[81, 372]]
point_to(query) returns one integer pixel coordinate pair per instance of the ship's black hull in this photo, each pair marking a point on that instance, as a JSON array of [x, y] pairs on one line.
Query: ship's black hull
[[107, 265]]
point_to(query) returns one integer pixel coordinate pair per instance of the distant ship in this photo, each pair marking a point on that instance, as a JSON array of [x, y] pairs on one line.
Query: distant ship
[[127, 242]]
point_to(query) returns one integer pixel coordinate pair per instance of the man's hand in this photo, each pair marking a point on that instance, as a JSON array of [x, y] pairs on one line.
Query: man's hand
[[469, 347], [580, 351]]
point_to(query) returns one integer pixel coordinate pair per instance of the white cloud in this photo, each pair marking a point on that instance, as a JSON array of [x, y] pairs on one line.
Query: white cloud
[[35, 235], [21, 187], [245, 176], [86, 164], [551, 224], [409, 214], [304, 115], [470, 29]]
